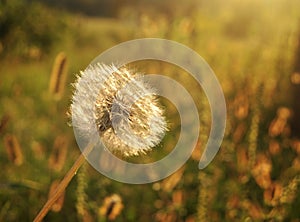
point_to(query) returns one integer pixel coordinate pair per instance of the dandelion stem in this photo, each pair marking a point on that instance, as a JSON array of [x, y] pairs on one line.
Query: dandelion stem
[[64, 183]]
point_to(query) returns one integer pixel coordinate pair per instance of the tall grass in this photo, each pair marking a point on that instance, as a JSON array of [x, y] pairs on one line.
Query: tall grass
[[250, 45]]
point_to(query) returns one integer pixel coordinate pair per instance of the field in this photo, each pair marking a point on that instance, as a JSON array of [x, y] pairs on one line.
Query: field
[[252, 46]]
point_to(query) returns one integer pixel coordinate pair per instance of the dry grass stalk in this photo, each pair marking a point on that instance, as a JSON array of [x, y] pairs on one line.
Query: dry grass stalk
[[254, 128], [58, 204], [289, 192], [112, 207], [242, 159], [80, 192], [232, 207], [3, 123], [197, 152], [295, 78], [272, 194], [177, 198], [274, 147], [277, 214], [239, 132], [261, 172], [166, 217], [58, 75], [203, 197], [64, 183], [241, 105], [296, 145], [190, 219], [170, 182], [38, 150], [279, 124], [59, 152], [13, 149], [296, 163], [254, 210]]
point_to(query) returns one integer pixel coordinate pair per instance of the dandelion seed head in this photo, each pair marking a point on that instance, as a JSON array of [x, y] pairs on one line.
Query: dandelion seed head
[[117, 105]]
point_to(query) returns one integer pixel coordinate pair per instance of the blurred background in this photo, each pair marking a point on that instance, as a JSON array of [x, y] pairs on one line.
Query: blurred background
[[252, 46]]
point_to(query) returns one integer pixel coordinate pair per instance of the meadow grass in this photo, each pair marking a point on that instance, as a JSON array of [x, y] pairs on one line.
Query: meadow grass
[[251, 47]]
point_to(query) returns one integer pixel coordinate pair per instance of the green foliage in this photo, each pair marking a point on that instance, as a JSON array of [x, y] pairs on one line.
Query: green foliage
[[27, 28]]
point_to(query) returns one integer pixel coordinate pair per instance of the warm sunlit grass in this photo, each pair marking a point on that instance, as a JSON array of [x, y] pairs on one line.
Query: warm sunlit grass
[[251, 47]]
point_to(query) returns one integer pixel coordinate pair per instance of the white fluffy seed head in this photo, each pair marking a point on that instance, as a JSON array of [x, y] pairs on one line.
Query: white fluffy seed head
[[117, 105]]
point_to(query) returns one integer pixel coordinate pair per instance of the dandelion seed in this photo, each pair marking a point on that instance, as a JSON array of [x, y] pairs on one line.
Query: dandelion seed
[[117, 105]]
